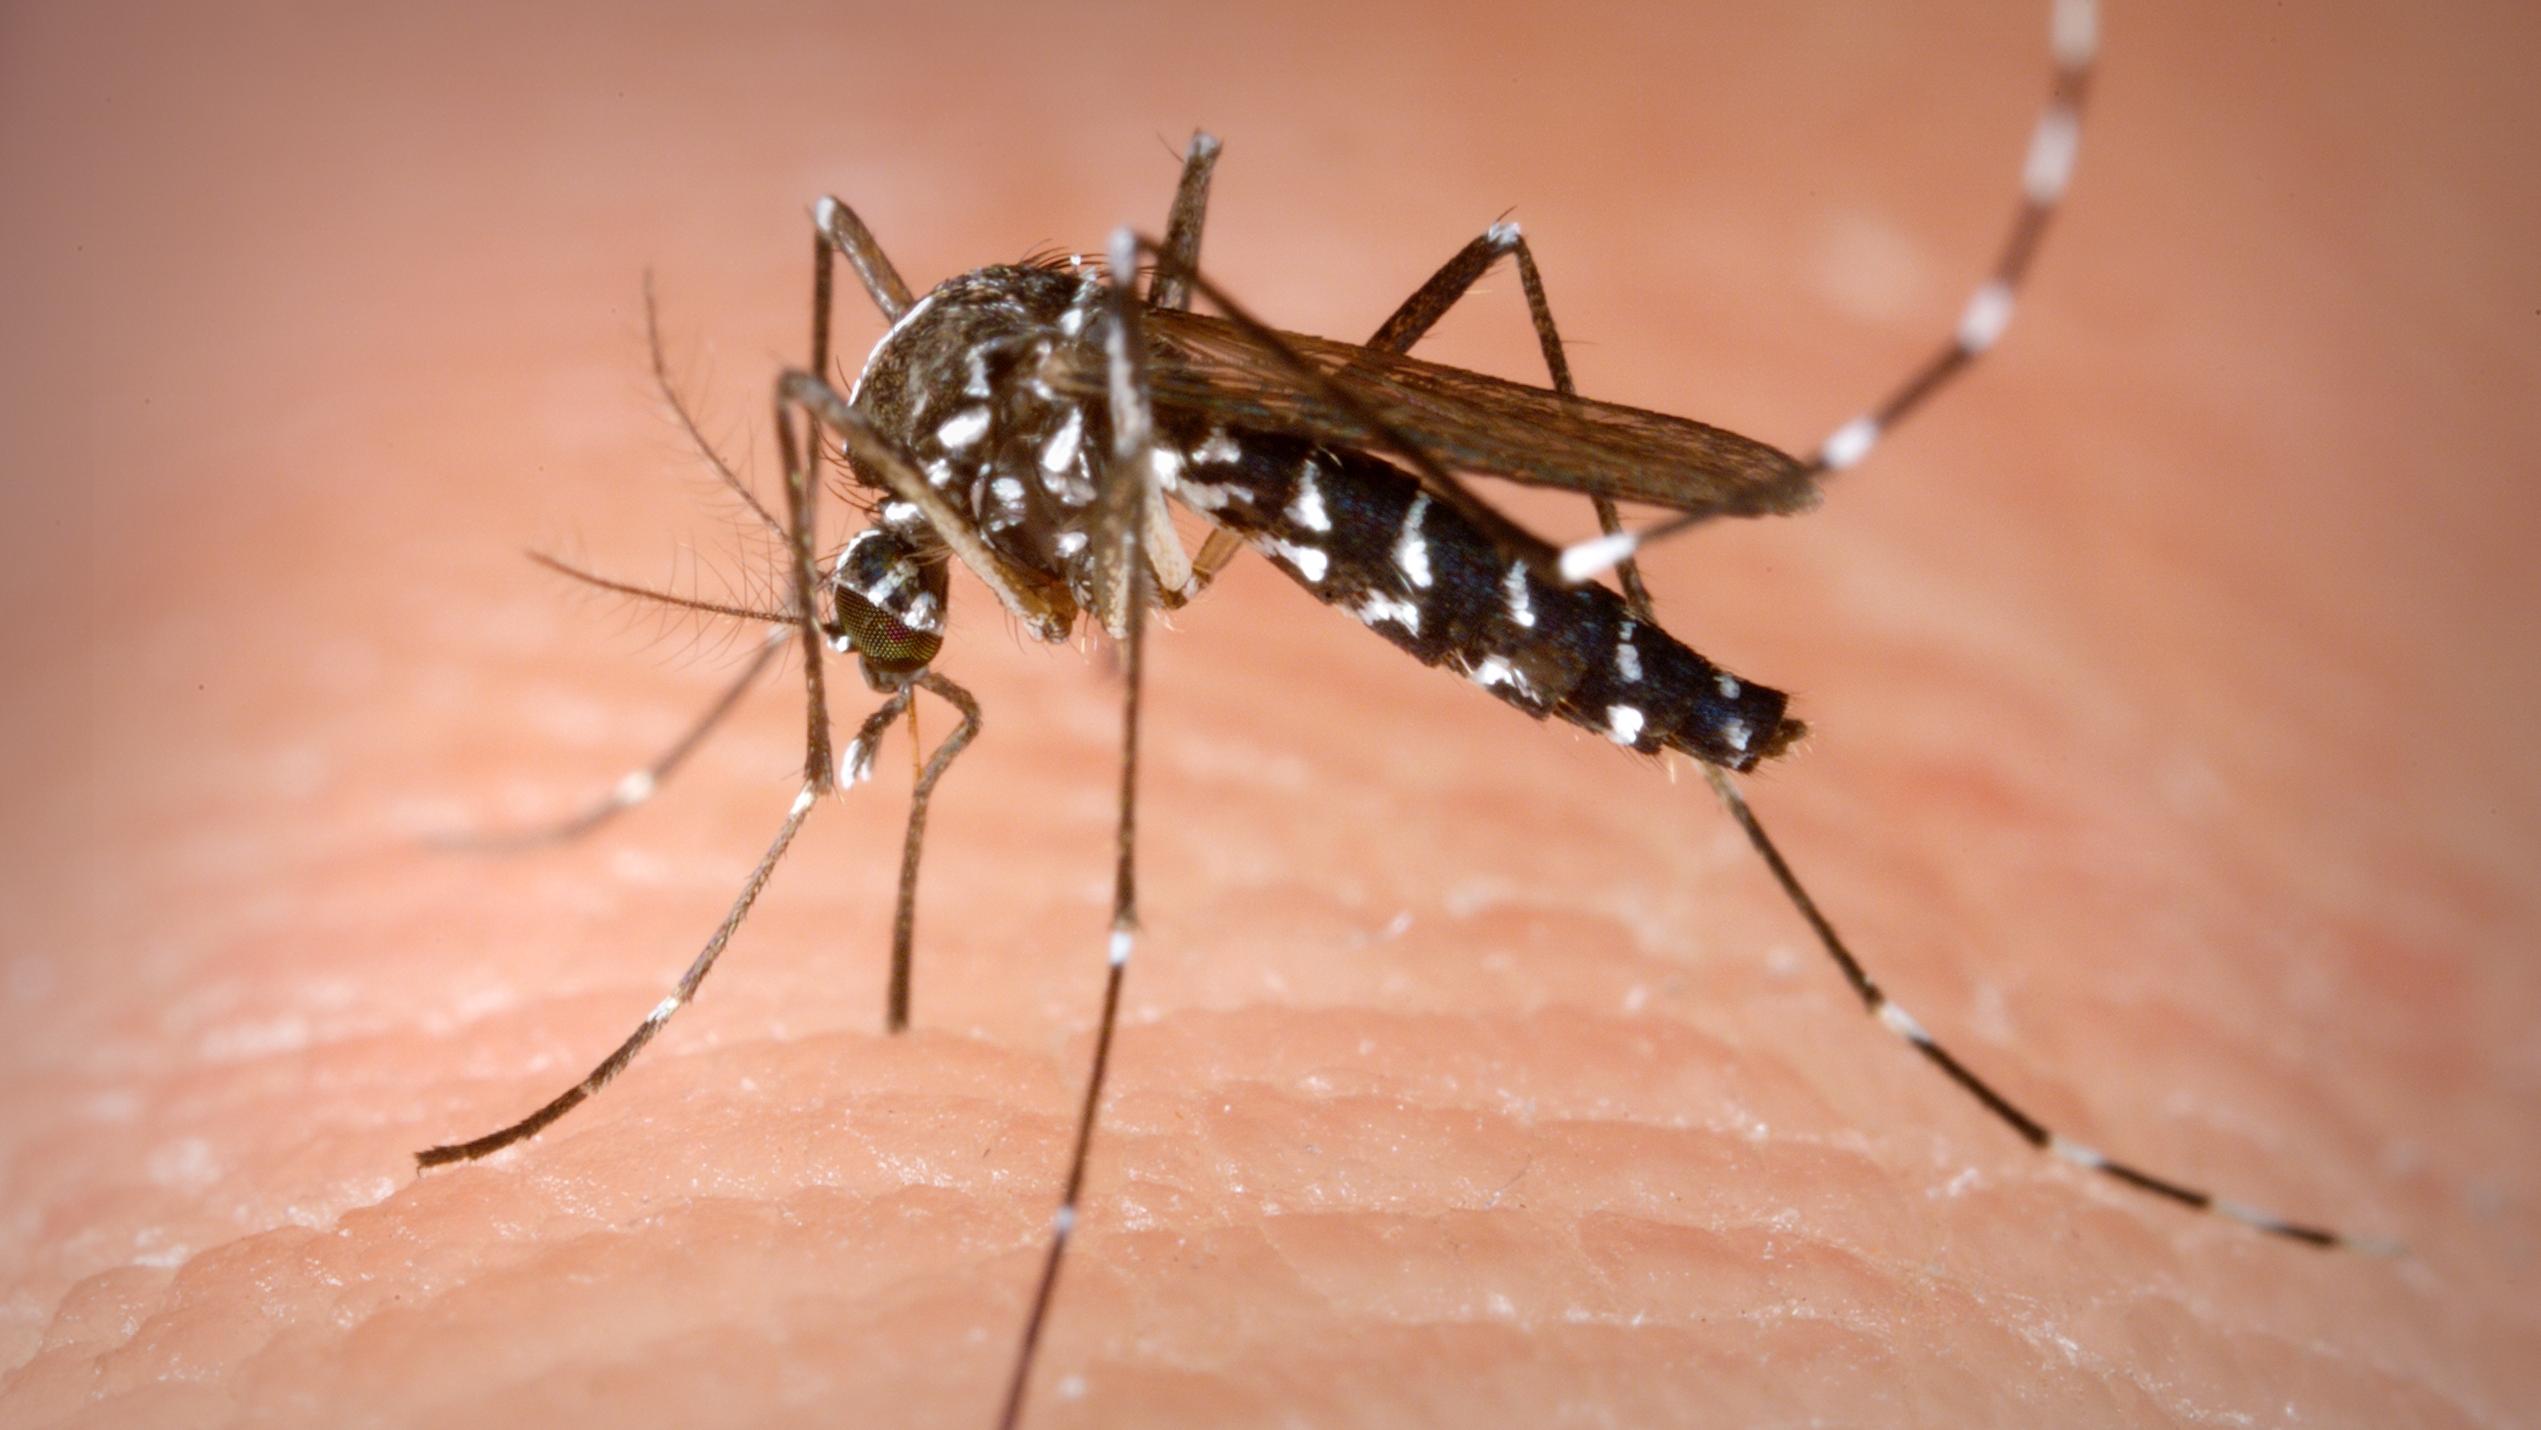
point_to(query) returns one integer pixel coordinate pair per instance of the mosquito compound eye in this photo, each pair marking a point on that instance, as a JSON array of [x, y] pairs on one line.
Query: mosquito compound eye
[[887, 642], [887, 605]]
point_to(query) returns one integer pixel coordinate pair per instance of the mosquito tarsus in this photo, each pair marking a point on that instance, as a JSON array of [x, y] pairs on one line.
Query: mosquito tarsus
[[1031, 421]]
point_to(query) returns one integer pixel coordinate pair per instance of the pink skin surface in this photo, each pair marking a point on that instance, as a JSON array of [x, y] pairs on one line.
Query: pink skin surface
[[2172, 683]]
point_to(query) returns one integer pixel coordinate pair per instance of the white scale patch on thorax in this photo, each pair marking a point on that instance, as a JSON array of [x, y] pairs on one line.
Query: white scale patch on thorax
[[1059, 453], [916, 310], [1005, 504], [963, 428]]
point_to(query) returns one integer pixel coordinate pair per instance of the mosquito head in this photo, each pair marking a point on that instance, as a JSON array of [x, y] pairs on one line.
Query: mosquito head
[[886, 605]]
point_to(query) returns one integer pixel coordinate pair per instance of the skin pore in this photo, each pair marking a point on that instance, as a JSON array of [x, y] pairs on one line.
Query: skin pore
[[2168, 760]]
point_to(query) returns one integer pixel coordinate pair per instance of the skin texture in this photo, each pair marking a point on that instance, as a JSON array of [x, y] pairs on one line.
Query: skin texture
[[2171, 682]]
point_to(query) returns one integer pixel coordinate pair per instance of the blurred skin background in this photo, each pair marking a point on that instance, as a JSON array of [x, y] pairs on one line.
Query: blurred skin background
[[2171, 682]]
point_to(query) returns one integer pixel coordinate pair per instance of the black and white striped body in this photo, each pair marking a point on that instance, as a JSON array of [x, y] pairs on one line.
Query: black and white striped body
[[1360, 534], [984, 426], [964, 383]]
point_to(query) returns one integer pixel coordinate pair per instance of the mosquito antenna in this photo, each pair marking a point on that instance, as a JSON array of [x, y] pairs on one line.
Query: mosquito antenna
[[660, 597], [688, 420]]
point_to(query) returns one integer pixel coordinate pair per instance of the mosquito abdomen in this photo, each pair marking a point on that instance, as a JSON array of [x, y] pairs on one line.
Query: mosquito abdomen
[[1360, 534]]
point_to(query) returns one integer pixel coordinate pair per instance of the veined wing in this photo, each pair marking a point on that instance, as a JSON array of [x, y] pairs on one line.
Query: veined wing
[[1468, 421]]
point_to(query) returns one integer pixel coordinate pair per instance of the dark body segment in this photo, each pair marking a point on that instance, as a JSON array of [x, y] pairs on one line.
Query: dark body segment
[[976, 383], [960, 384], [1360, 534]]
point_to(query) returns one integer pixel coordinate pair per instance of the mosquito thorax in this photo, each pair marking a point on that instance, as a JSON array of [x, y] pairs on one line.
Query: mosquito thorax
[[964, 384]]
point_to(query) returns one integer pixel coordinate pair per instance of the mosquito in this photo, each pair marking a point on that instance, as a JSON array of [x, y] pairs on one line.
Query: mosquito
[[1032, 422]]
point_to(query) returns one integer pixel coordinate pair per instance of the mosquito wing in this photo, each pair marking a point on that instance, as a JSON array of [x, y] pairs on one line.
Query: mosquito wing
[[1469, 422]]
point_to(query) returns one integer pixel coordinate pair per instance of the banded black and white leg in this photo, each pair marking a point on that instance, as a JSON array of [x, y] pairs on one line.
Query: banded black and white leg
[[1420, 312], [839, 232], [1400, 332], [1122, 588], [859, 754], [817, 778], [802, 620], [1896, 1019], [639, 785], [2046, 171], [921, 795]]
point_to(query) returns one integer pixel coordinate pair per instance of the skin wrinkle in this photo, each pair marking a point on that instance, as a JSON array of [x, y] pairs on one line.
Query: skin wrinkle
[[2168, 767], [2149, 1385]]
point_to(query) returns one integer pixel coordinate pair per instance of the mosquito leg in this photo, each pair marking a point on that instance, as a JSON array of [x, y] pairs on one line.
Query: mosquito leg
[[1121, 594], [1549, 339], [1041, 604], [1442, 485], [616, 1062], [817, 779], [638, 785], [836, 229], [2044, 175], [806, 579], [1421, 312], [1222, 547], [840, 231], [1897, 1020], [867, 739], [1171, 287], [1178, 578], [904, 920]]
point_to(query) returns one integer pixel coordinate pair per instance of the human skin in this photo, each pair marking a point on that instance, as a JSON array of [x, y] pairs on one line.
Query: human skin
[[2170, 684]]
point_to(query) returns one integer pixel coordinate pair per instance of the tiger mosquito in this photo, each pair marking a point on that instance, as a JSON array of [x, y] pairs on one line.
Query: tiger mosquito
[[1030, 421]]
